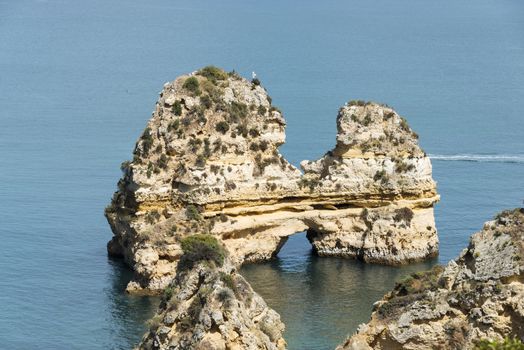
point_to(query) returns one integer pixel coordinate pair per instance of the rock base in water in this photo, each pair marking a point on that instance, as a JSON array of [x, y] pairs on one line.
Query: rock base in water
[[208, 161], [478, 296], [213, 308]]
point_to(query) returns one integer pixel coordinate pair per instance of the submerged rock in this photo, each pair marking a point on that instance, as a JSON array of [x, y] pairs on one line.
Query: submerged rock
[[208, 161], [478, 296], [208, 306]]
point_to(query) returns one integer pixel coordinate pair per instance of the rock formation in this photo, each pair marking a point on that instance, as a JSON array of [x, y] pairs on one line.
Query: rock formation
[[208, 306], [478, 296], [208, 161]]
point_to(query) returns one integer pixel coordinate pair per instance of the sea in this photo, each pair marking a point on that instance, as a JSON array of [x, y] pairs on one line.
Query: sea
[[79, 80]]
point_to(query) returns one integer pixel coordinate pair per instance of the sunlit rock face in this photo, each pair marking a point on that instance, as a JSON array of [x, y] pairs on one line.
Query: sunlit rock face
[[208, 161], [207, 307], [478, 296]]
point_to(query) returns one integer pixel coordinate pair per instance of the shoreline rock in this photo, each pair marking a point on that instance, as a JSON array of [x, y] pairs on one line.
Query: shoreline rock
[[208, 162], [480, 295], [209, 306]]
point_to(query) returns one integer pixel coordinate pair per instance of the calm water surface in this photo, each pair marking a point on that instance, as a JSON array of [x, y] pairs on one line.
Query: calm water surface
[[79, 79]]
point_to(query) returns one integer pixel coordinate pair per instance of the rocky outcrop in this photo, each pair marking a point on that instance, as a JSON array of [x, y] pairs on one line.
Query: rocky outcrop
[[478, 296], [208, 307], [208, 161]]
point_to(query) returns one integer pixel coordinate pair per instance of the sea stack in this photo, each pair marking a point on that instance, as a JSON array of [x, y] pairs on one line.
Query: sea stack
[[479, 296], [208, 162], [208, 306]]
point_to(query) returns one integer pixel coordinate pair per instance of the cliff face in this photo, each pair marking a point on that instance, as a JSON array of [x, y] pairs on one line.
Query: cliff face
[[213, 308], [208, 161], [377, 168], [478, 296]]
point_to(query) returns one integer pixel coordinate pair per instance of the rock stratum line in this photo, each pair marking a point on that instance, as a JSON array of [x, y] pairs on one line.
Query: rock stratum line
[[208, 162]]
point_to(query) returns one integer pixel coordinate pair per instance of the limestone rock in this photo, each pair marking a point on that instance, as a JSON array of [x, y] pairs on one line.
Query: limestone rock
[[208, 161], [478, 296], [213, 308]]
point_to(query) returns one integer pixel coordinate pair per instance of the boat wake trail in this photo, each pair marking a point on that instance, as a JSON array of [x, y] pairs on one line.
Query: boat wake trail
[[485, 158]]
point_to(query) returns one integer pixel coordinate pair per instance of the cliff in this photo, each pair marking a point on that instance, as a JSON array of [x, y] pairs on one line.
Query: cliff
[[208, 162], [478, 296], [208, 306]]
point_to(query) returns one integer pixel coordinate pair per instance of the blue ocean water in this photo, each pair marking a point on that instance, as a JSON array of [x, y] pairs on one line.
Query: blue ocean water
[[79, 79]]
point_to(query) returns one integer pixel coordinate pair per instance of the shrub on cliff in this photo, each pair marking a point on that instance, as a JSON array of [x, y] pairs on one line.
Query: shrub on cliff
[[168, 292], [213, 73], [147, 141], [201, 247], [404, 214], [275, 109], [222, 127], [173, 125], [262, 110], [191, 84], [237, 111], [192, 212], [403, 167], [206, 101], [404, 124], [409, 290], [506, 344], [124, 165], [242, 130], [200, 160], [177, 108], [381, 176], [152, 217], [310, 183], [420, 281], [356, 103]]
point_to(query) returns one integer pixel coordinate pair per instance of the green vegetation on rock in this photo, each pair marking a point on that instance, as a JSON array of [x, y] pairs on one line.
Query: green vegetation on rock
[[506, 344], [147, 141], [409, 290], [222, 127], [381, 176], [404, 214], [191, 84], [213, 73], [192, 213], [177, 108], [201, 247], [237, 111]]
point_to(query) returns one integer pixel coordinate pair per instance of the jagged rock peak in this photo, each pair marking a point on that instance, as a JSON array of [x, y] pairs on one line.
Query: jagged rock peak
[[209, 306], [372, 129], [375, 144], [478, 296], [205, 125]]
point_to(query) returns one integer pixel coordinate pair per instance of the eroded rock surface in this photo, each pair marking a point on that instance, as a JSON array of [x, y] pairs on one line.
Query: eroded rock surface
[[208, 161], [213, 308], [478, 296]]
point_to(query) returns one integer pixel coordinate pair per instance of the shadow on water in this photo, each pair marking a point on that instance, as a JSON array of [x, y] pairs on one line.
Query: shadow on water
[[322, 300], [127, 314]]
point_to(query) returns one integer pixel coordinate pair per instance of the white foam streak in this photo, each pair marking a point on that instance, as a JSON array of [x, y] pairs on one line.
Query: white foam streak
[[495, 158]]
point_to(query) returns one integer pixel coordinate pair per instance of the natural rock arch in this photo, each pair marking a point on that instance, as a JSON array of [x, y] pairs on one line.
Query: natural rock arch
[[208, 161]]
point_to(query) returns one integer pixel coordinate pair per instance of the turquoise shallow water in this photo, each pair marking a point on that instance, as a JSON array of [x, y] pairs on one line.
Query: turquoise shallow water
[[78, 80]]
